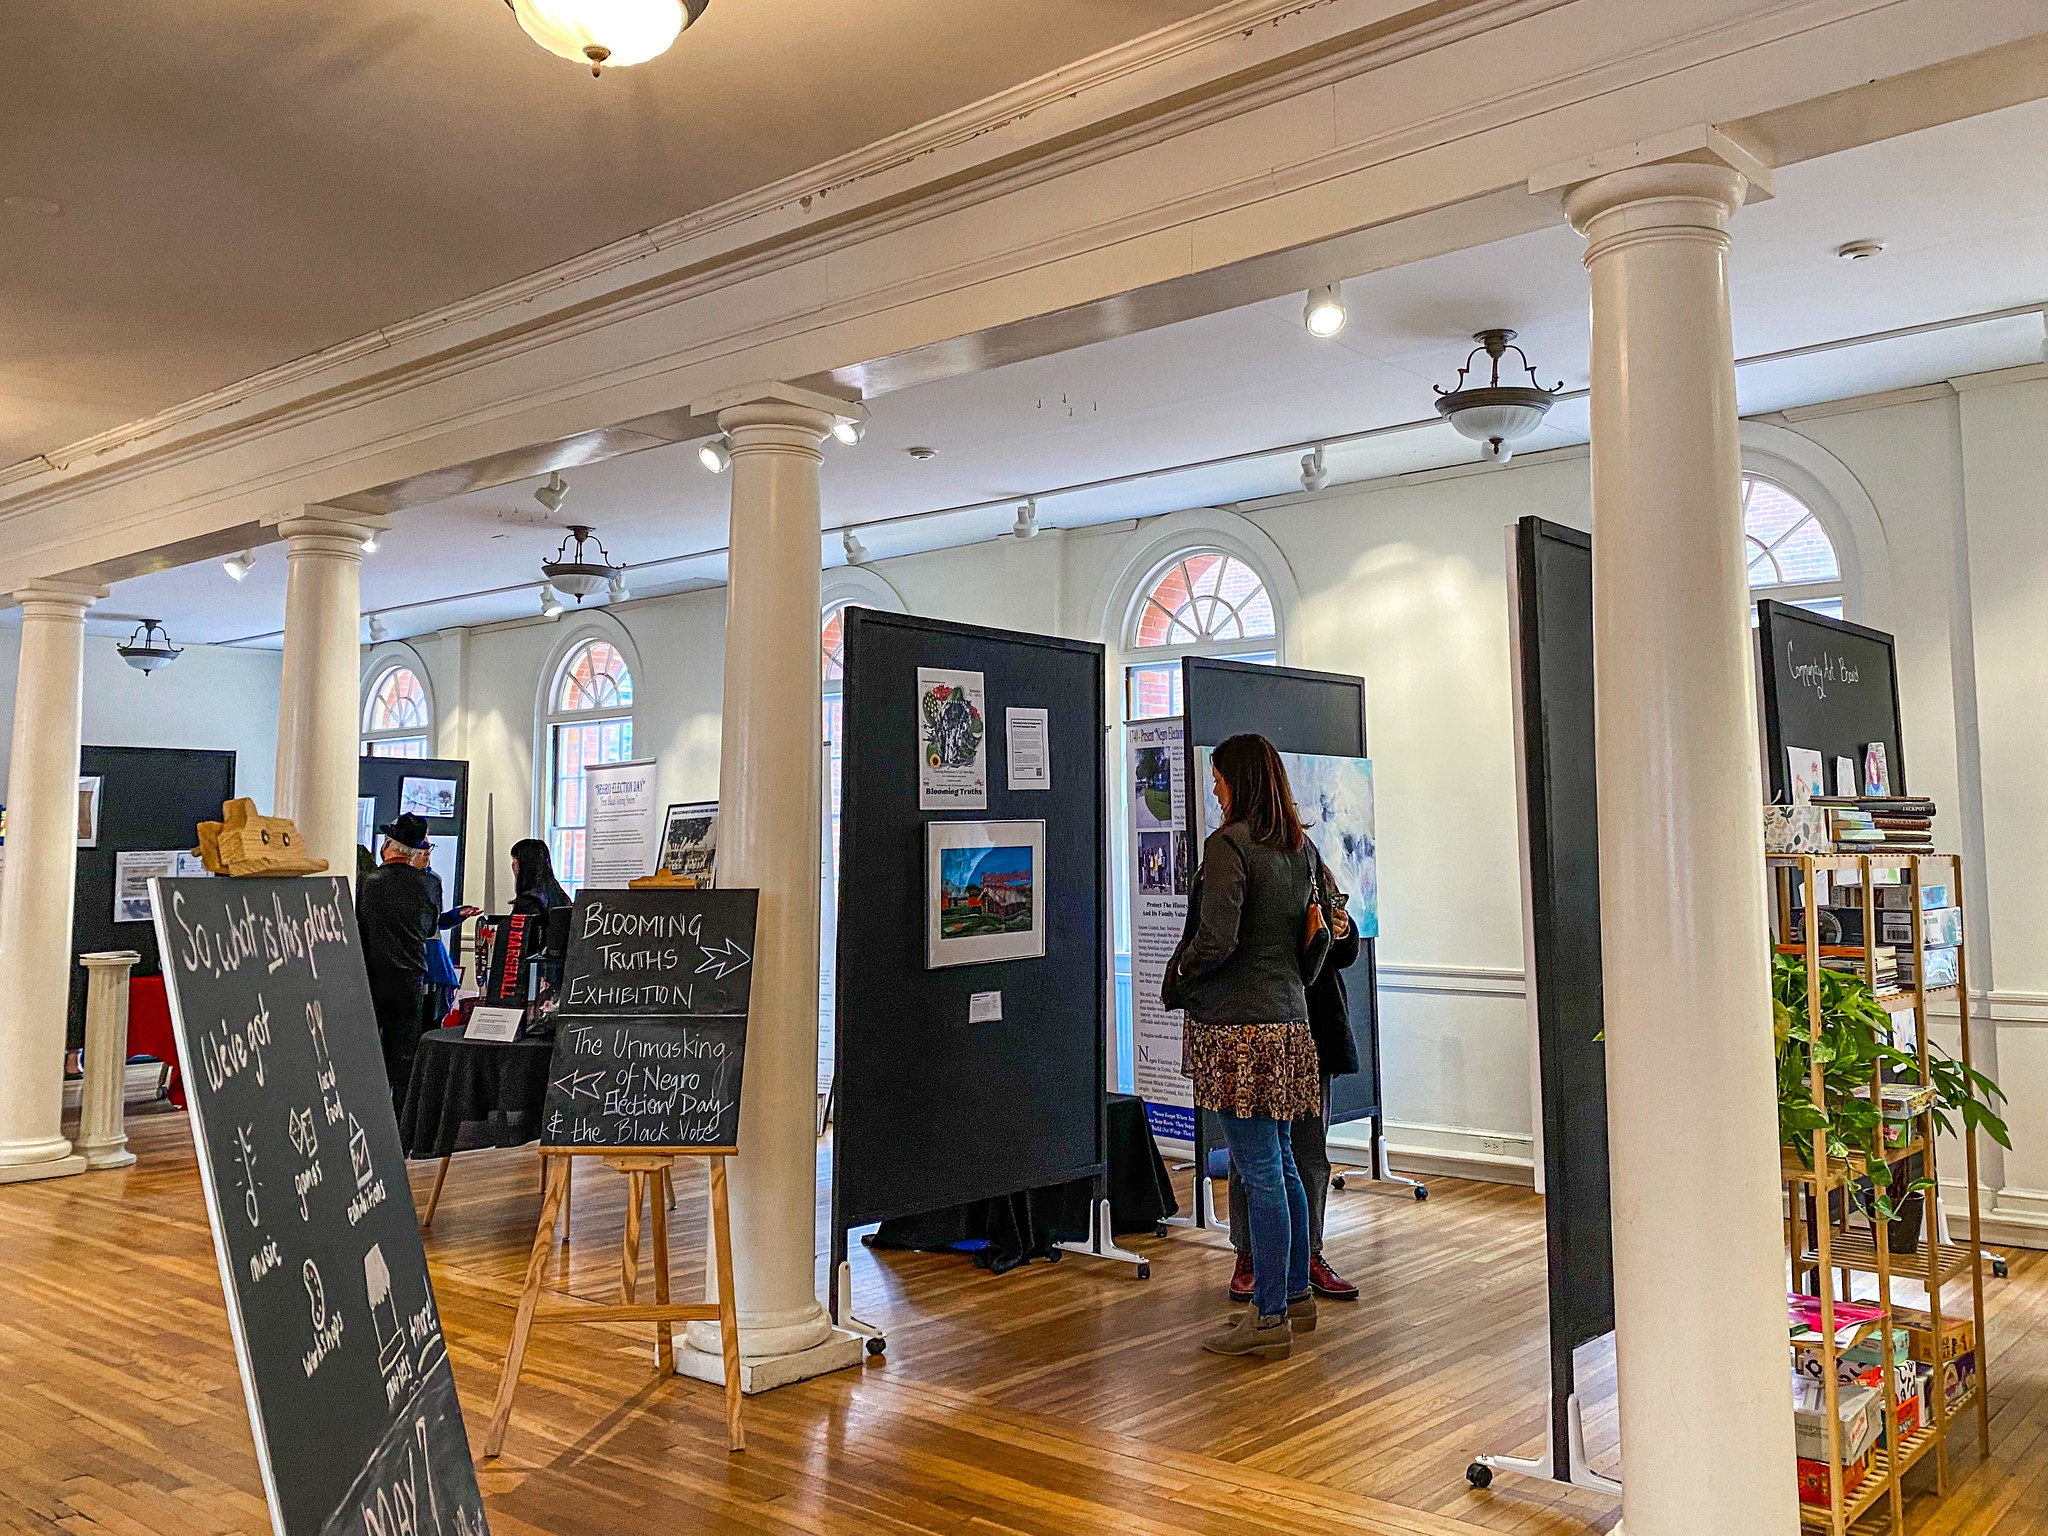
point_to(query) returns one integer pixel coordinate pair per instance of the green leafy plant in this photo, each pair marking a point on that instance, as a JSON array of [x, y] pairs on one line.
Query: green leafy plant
[[1855, 1043]]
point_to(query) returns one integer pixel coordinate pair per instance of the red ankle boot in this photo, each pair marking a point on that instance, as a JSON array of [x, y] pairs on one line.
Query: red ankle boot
[[1325, 1281], [1241, 1279]]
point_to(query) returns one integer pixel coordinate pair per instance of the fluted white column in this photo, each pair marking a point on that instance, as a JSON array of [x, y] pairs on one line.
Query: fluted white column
[[1699, 1285], [40, 871], [319, 727], [768, 838]]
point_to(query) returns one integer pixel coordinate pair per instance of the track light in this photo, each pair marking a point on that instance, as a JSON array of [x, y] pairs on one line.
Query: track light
[[378, 633], [239, 565], [553, 493], [1027, 520], [615, 590], [716, 455], [856, 552], [849, 432], [370, 545], [1315, 474], [550, 602], [1325, 314]]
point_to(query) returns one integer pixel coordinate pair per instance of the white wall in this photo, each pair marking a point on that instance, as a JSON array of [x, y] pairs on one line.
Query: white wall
[[212, 697]]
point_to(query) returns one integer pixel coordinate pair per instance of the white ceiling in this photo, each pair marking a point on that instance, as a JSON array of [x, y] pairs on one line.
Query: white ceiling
[[242, 182], [1962, 209]]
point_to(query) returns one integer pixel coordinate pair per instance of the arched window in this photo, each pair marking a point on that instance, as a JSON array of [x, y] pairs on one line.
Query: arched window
[[1790, 555], [1202, 602], [397, 716], [589, 723]]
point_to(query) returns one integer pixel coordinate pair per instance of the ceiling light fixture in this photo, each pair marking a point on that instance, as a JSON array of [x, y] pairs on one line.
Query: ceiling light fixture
[[1496, 414], [856, 552], [239, 565], [716, 455], [848, 431], [378, 633], [922, 454], [149, 647], [601, 32], [1315, 474], [1325, 315], [616, 591], [574, 574], [1027, 520], [1859, 250], [552, 493], [550, 602]]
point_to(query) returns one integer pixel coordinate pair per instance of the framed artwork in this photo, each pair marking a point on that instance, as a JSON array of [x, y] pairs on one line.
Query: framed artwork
[[432, 798], [89, 812], [689, 841], [985, 892], [1806, 774]]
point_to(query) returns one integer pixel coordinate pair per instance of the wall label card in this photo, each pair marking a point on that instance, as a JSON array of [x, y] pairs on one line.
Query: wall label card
[[357, 1427], [952, 741], [985, 1008], [487, 1022], [1028, 748]]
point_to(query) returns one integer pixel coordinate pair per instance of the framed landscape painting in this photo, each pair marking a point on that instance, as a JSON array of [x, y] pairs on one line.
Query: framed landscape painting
[[985, 892]]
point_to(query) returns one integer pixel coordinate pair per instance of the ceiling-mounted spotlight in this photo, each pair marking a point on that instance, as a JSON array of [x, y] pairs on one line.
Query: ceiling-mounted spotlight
[[552, 493], [573, 573], [370, 545], [239, 565], [1496, 414], [1325, 314], [1860, 250], [856, 552], [849, 431], [716, 455], [550, 602], [378, 633], [149, 648], [616, 590], [1027, 520], [1315, 474], [605, 32]]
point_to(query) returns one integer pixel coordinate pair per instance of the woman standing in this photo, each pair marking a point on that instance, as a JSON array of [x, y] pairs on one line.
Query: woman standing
[[1247, 1045]]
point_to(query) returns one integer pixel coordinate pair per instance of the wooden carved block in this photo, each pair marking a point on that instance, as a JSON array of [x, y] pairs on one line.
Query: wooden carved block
[[244, 843]]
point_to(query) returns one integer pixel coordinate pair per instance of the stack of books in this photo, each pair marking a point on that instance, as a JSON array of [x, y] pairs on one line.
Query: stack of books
[[1879, 823], [1880, 967]]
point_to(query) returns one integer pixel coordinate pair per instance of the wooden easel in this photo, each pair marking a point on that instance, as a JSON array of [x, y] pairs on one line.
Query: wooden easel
[[649, 1172]]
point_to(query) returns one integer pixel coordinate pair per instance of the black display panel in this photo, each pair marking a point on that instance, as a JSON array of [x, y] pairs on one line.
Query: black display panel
[[351, 1400], [383, 779], [651, 1035], [1554, 580], [1830, 687], [931, 1109]]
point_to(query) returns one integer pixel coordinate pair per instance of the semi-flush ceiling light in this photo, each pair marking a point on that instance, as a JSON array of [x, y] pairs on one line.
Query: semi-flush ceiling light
[[552, 494], [716, 455], [856, 552], [149, 648], [1315, 474], [550, 604], [239, 565], [606, 32], [1325, 314], [378, 633], [1496, 414], [575, 574], [1027, 520], [849, 432]]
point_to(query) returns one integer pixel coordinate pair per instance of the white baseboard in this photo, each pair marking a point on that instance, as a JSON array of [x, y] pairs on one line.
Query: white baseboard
[[1447, 1151], [2006, 1218]]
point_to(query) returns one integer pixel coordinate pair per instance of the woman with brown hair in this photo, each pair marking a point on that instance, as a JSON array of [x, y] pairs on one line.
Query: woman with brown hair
[[1248, 1047]]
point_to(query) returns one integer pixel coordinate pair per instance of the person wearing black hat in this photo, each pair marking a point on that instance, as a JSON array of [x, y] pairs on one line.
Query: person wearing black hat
[[398, 913]]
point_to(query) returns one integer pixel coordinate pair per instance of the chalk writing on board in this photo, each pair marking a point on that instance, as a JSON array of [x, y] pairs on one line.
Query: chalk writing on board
[[1818, 672]]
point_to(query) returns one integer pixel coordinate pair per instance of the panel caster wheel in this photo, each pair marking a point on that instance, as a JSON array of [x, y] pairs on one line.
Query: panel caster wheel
[[1160, 1229], [876, 1346], [1479, 1476], [1144, 1271], [1998, 1269], [1337, 1181], [1422, 1193]]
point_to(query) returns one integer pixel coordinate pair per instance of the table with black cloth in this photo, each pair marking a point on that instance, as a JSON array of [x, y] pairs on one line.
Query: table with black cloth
[[1029, 1224], [467, 1094]]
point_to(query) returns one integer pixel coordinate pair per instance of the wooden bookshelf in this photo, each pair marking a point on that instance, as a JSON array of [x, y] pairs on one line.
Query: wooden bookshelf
[[1827, 1251]]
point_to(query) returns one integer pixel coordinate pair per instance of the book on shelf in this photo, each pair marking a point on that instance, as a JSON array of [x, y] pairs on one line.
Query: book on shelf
[[1858, 1411], [1803, 1316]]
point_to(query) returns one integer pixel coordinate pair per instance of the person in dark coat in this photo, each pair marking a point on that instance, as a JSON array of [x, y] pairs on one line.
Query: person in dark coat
[[398, 914]]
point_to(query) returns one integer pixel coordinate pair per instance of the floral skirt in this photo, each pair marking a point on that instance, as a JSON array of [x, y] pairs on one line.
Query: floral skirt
[[1253, 1069]]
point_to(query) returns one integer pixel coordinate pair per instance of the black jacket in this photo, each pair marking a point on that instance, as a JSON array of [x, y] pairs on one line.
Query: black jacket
[[1329, 1009], [1239, 960], [398, 911]]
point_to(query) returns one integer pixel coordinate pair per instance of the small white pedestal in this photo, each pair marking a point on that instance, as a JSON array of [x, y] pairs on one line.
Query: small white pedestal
[[102, 1130]]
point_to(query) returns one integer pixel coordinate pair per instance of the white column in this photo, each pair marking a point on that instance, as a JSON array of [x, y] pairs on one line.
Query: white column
[[768, 838], [36, 886], [1699, 1285], [103, 1100], [319, 706]]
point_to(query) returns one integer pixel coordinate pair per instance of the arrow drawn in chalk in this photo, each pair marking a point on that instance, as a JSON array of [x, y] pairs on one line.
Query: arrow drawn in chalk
[[579, 1085], [723, 959]]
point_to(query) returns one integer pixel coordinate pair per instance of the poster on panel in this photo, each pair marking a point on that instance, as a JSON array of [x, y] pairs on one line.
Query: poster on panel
[[624, 825], [1155, 788]]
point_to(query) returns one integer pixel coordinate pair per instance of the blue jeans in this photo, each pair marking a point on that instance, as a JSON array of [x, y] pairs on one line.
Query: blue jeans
[[1262, 1151]]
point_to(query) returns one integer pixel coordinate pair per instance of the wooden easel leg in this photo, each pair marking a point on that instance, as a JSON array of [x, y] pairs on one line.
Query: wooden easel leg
[[668, 1185], [664, 1331], [629, 1260], [568, 1193], [529, 1296], [728, 1321], [434, 1200]]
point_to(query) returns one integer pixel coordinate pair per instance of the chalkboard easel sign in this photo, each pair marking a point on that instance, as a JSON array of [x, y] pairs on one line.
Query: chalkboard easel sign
[[650, 1042], [351, 1399]]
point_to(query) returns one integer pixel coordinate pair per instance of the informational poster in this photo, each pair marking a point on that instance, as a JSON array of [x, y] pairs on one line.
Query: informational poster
[[441, 859], [622, 826], [1156, 786], [952, 740], [366, 822], [689, 841], [1028, 749], [135, 868]]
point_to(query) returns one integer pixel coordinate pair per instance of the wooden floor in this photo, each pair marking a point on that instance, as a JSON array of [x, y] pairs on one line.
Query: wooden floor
[[1063, 1398]]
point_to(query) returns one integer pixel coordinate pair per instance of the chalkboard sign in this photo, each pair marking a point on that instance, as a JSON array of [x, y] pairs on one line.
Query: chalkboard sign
[[651, 1034], [1829, 687], [357, 1427]]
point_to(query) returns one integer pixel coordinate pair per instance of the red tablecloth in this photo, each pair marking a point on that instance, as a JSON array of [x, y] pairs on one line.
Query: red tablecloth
[[149, 1029]]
